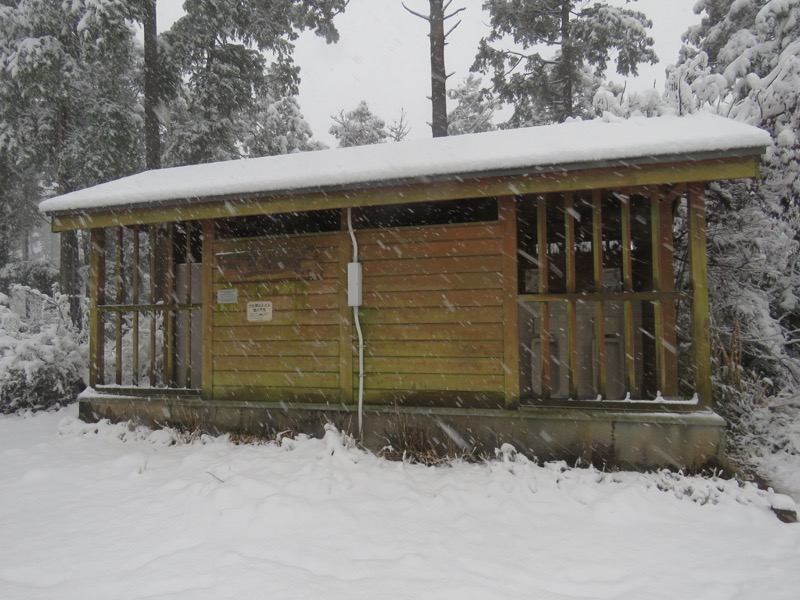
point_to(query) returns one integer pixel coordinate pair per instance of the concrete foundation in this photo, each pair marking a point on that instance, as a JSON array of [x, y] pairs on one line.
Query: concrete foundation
[[632, 439]]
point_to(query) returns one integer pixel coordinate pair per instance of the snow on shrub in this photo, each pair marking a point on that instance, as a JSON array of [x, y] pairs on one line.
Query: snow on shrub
[[42, 360]]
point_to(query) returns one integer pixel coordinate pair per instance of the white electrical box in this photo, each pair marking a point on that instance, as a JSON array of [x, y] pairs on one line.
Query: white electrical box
[[354, 291]]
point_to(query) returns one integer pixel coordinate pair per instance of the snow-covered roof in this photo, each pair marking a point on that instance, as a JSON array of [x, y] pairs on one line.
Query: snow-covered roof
[[535, 149]]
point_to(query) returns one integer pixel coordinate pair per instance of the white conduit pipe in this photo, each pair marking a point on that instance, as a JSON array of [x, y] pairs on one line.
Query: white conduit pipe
[[360, 335]]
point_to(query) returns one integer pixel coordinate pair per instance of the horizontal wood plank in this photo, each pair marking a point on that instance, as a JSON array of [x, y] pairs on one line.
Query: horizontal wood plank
[[488, 314], [277, 333], [290, 364], [309, 379], [464, 281], [274, 394], [282, 303], [281, 348], [482, 332], [280, 317], [434, 382], [428, 348], [452, 366], [438, 298], [428, 266], [448, 248], [427, 233]]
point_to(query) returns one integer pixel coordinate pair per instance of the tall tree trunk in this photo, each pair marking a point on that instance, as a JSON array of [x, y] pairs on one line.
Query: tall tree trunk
[[70, 282], [566, 62], [438, 74], [151, 124]]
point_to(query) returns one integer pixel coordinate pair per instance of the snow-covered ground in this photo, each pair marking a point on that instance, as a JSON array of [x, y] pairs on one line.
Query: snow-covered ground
[[99, 511]]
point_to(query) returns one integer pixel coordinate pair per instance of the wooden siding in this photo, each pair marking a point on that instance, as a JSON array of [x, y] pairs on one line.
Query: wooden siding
[[433, 315], [295, 356]]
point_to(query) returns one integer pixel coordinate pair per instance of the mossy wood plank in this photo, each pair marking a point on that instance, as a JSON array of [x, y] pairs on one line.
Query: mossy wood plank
[[97, 287], [310, 271], [599, 310], [276, 348], [436, 349], [309, 379], [443, 398], [456, 248], [422, 316], [280, 303], [277, 333], [268, 243], [510, 364], [441, 298], [405, 235], [454, 265], [456, 332], [457, 366], [280, 317], [274, 394], [346, 316], [285, 287], [579, 179], [287, 364], [701, 336], [435, 382], [457, 281], [207, 312]]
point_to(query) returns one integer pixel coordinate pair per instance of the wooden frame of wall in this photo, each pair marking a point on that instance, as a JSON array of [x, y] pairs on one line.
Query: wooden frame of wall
[[498, 370]]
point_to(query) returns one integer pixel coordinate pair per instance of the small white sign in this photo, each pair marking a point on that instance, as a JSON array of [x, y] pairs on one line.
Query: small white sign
[[228, 296], [259, 311]]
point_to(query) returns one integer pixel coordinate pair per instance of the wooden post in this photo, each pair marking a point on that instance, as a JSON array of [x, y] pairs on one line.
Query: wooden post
[[345, 316], [701, 335], [169, 315], [118, 301], [508, 222], [97, 297], [663, 310], [207, 312], [599, 309], [153, 249], [135, 301], [544, 307], [627, 286], [572, 313], [187, 349]]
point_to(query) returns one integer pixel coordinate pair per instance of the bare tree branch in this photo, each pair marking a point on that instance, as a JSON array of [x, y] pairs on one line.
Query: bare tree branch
[[416, 14]]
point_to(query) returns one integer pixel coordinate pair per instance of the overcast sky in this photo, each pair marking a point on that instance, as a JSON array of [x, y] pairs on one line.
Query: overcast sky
[[382, 57]]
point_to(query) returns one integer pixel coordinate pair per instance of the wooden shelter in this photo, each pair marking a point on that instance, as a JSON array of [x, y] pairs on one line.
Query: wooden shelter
[[513, 286]]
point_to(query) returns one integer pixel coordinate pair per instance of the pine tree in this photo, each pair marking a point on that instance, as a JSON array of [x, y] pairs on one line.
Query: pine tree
[[218, 48], [68, 96], [548, 88], [474, 110], [359, 127]]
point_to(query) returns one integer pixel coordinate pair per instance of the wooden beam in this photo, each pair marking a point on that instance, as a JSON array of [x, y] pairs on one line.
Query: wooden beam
[[572, 313], [508, 220], [345, 316], [169, 299], [135, 300], [118, 282], [97, 296], [701, 335], [544, 307], [532, 183], [187, 338], [627, 286], [599, 309], [153, 250], [207, 312], [663, 310]]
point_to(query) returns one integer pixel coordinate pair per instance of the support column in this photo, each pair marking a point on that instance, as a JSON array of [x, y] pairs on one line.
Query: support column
[[97, 297], [345, 316], [207, 312], [507, 208], [701, 334]]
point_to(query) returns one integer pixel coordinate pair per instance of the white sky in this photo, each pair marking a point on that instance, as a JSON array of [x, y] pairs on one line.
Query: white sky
[[382, 57]]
